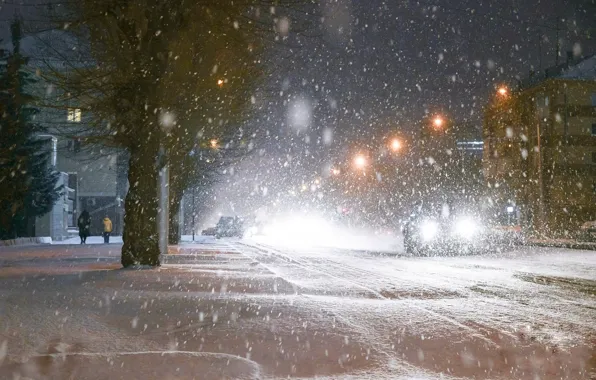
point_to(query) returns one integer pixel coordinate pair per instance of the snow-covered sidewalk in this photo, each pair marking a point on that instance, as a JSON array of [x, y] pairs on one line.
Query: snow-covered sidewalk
[[90, 240], [72, 312], [118, 240]]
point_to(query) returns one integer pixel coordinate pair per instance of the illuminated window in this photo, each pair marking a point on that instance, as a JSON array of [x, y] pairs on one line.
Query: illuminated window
[[74, 115]]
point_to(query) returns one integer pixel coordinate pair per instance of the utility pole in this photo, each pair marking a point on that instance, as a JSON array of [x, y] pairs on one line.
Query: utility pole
[[558, 44], [163, 201], [164, 208], [540, 177], [193, 214], [539, 51]]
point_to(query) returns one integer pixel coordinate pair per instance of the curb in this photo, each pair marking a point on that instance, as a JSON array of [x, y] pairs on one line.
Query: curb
[[570, 245], [26, 241]]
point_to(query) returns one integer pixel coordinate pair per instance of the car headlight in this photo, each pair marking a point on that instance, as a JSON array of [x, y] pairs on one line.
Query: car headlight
[[429, 229], [466, 227]]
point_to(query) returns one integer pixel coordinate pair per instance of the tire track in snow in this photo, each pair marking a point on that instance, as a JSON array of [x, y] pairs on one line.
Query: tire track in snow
[[476, 333], [392, 357]]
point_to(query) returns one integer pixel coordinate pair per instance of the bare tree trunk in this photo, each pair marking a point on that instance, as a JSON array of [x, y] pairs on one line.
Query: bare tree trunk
[[140, 235]]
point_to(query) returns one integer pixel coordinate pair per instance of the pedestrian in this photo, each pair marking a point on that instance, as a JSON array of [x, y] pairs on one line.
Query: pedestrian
[[84, 224], [107, 229]]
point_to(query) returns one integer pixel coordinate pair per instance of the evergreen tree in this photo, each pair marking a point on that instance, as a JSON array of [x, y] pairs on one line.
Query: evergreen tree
[[27, 180]]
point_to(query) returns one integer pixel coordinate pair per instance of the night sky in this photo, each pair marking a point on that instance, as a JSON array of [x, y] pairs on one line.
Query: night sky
[[377, 65], [397, 60]]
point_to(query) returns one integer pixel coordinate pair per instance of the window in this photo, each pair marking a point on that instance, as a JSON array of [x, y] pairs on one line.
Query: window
[[74, 115], [594, 129]]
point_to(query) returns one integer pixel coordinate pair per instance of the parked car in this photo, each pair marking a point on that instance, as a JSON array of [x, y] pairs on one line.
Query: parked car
[[587, 231], [505, 227], [229, 226], [211, 231]]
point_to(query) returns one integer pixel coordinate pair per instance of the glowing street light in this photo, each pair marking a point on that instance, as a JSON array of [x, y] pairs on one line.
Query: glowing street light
[[214, 143], [220, 82], [503, 91], [360, 161], [395, 145], [335, 171], [438, 122]]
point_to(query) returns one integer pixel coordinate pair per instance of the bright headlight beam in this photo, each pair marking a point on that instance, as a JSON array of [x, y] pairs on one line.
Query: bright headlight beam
[[466, 227], [299, 231], [429, 230]]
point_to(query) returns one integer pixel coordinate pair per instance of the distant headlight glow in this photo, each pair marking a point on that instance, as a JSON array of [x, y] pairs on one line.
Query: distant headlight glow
[[466, 227], [298, 231], [429, 229]]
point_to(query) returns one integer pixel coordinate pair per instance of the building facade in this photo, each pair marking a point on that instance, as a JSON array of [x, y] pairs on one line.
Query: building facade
[[540, 147], [94, 176]]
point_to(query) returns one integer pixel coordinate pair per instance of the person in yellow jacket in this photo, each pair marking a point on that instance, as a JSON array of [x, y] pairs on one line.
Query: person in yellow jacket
[[107, 229]]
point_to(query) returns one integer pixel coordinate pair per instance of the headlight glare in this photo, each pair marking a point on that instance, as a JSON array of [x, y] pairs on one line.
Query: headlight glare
[[429, 230], [466, 227]]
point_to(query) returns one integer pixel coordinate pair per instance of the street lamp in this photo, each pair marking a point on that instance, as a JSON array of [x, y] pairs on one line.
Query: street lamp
[[360, 161], [220, 82], [438, 122], [213, 143], [335, 171], [503, 91], [395, 145]]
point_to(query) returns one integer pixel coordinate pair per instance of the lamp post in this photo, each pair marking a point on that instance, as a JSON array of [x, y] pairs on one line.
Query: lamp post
[[193, 213], [167, 122], [164, 203]]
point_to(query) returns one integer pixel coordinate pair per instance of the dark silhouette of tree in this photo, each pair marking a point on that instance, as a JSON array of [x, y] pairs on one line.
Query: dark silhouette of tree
[[162, 77], [28, 180]]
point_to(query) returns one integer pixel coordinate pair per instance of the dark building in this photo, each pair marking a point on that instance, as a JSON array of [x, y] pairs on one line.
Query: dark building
[[540, 146]]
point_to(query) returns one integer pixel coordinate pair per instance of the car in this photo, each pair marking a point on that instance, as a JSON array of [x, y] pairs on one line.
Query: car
[[587, 231], [211, 231], [255, 229], [506, 234], [441, 228], [505, 227], [229, 226]]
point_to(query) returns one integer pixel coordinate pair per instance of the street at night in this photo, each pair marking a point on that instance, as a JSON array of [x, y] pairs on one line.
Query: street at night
[[307, 189], [246, 310]]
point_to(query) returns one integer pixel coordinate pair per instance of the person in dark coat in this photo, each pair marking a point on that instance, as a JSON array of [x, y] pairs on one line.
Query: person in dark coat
[[84, 223]]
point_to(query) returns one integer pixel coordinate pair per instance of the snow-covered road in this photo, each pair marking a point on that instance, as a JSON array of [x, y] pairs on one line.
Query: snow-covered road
[[247, 310], [535, 307]]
